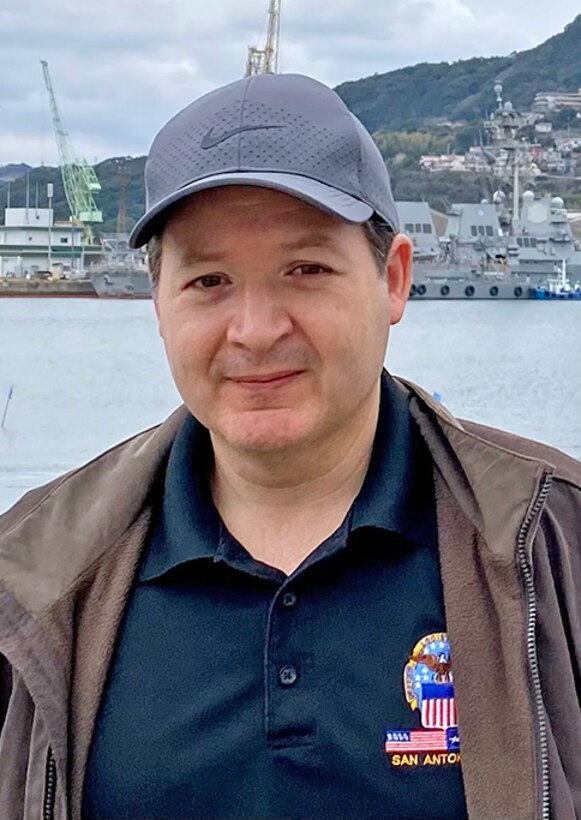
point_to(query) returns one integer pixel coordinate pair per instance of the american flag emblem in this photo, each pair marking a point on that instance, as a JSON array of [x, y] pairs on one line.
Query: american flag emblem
[[438, 706], [416, 740], [422, 740]]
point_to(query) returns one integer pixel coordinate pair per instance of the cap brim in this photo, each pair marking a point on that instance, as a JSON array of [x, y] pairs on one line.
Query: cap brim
[[314, 193]]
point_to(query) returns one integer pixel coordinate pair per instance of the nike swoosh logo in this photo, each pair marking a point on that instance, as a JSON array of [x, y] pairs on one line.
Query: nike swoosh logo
[[211, 139]]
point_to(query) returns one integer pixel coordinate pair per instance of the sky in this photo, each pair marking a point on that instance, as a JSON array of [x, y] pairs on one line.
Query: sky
[[121, 68]]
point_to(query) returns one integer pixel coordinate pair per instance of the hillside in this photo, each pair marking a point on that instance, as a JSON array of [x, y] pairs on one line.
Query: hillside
[[463, 90], [8, 173]]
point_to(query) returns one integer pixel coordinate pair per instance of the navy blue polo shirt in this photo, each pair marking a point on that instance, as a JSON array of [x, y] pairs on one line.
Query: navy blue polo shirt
[[238, 692]]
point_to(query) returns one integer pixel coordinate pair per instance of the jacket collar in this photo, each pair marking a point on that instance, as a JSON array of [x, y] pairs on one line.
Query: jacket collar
[[493, 486]]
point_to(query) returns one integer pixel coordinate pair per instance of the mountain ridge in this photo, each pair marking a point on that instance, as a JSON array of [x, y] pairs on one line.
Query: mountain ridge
[[13, 171], [464, 90]]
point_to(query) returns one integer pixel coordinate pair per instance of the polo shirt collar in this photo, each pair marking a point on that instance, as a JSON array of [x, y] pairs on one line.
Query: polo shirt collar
[[398, 491], [397, 494], [190, 524]]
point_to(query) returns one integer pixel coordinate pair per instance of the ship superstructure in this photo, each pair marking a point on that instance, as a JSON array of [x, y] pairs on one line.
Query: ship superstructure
[[508, 247], [122, 271]]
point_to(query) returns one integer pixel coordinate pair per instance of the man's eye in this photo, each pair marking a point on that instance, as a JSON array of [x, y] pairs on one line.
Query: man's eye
[[310, 270], [210, 280]]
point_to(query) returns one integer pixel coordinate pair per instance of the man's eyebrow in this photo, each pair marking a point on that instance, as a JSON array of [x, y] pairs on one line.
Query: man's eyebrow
[[193, 256], [309, 240]]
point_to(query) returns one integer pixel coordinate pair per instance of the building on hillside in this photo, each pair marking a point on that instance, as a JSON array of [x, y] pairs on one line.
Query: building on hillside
[[568, 143], [473, 162], [25, 239], [557, 100], [476, 161], [443, 162], [553, 160]]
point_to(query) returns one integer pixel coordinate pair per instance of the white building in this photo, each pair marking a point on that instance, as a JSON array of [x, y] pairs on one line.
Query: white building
[[557, 100], [473, 161], [544, 127], [26, 236], [443, 162]]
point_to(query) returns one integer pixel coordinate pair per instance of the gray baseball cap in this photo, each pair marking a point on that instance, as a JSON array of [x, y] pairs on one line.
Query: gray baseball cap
[[282, 131]]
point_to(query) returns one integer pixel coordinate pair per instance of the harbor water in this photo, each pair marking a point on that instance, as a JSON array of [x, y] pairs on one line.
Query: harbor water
[[86, 374]]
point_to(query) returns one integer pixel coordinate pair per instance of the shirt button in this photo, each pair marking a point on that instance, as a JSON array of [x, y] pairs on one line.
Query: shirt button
[[289, 600], [288, 675]]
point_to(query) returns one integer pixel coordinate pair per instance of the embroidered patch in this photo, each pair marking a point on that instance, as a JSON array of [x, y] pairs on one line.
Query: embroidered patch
[[428, 685]]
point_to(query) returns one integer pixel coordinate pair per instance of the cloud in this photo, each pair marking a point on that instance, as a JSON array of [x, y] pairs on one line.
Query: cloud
[[122, 69]]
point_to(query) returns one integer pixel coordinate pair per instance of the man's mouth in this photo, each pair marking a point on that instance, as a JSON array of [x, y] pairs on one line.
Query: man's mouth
[[267, 379]]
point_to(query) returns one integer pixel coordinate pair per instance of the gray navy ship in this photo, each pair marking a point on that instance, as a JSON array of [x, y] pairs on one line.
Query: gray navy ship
[[122, 272], [477, 259]]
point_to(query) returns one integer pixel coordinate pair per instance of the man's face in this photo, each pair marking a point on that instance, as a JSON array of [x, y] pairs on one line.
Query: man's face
[[274, 316]]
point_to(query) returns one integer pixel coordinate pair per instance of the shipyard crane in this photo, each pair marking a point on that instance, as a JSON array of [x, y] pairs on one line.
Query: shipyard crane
[[265, 60], [79, 179]]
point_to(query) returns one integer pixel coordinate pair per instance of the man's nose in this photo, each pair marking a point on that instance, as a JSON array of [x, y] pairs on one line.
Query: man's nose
[[259, 321]]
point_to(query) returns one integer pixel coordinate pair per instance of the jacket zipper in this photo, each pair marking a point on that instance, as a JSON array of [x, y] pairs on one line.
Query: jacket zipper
[[527, 572], [49, 787]]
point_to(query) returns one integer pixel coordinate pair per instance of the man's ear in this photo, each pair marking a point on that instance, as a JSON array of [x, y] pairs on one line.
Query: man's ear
[[399, 276]]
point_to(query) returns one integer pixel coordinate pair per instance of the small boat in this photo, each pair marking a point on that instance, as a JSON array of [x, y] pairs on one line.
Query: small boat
[[557, 287]]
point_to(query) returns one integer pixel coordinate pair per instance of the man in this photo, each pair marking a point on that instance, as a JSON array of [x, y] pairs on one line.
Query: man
[[311, 592]]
